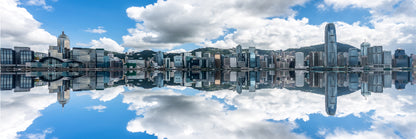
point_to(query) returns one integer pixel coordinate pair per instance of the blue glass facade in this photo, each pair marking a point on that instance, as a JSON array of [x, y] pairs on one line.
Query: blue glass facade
[[25, 56], [401, 59], [252, 61], [7, 56], [100, 58], [330, 46], [7, 82], [353, 57]]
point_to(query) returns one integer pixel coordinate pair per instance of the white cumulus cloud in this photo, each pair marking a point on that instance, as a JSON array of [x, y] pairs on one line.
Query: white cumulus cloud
[[107, 44], [99, 30], [19, 28], [39, 3], [167, 24], [176, 51]]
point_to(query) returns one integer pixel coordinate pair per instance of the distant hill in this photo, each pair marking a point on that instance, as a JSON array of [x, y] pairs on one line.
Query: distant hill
[[212, 50], [320, 47], [145, 54]]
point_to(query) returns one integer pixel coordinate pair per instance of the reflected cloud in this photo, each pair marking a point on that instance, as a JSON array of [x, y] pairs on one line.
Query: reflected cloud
[[99, 108], [20, 109], [105, 95], [38, 135], [228, 104], [167, 114]]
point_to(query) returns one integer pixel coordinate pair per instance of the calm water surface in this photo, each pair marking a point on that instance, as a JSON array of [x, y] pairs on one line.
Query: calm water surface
[[214, 104]]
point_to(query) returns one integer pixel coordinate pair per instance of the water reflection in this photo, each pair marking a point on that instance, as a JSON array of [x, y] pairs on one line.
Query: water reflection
[[330, 84], [257, 93]]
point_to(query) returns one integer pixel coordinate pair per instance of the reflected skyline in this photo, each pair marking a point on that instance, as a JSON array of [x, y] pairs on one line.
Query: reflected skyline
[[204, 104], [330, 84]]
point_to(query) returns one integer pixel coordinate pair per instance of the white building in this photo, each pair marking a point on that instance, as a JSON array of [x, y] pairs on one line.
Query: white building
[[299, 60]]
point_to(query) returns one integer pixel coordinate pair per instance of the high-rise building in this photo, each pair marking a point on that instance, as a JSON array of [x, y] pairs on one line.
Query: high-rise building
[[330, 46], [316, 59], [62, 50], [364, 53], [375, 56], [387, 59], [7, 56], [401, 59], [159, 58], [63, 45], [100, 57], [217, 61], [83, 55], [238, 50], [299, 59], [233, 62], [364, 48], [167, 63], [7, 81], [23, 55], [178, 61], [342, 59], [353, 57], [252, 61], [198, 54]]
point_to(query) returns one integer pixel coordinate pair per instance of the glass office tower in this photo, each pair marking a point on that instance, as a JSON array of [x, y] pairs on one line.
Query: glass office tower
[[252, 51], [330, 46]]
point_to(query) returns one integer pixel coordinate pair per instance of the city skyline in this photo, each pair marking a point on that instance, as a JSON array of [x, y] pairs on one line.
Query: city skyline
[[185, 69], [296, 24], [328, 57]]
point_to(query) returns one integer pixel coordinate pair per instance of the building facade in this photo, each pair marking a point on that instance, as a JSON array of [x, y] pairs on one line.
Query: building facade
[[7, 56]]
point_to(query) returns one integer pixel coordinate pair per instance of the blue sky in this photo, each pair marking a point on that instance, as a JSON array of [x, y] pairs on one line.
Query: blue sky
[[185, 25]]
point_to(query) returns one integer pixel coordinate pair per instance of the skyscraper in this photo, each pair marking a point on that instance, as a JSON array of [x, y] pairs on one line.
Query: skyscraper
[[374, 58], [238, 50], [252, 51], [401, 59], [353, 57], [299, 59], [159, 58], [7, 56], [330, 46], [23, 55], [364, 53], [63, 45]]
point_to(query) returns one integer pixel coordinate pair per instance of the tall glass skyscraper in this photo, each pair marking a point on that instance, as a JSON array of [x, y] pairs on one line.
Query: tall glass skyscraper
[[330, 46], [252, 51]]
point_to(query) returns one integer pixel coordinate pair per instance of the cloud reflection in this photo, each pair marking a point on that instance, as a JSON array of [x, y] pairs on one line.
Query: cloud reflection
[[20, 109], [167, 114]]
